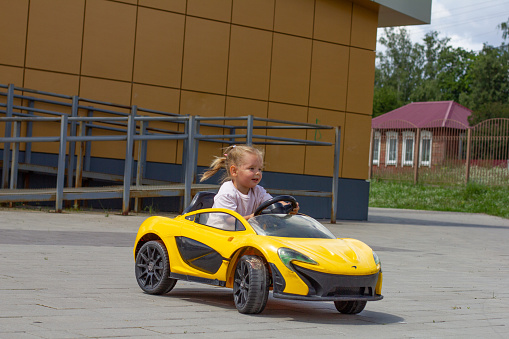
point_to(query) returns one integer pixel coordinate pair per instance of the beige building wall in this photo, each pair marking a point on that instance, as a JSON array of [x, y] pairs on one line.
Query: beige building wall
[[300, 60]]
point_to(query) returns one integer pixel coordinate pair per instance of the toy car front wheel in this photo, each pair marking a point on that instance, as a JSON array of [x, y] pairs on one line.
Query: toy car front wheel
[[251, 285], [153, 268], [350, 307]]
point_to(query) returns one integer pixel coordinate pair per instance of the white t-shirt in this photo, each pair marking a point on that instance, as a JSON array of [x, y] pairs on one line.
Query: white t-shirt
[[231, 198]]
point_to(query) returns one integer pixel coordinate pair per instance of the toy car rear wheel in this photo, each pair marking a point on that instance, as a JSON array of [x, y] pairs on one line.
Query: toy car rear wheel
[[153, 268], [350, 307], [251, 285]]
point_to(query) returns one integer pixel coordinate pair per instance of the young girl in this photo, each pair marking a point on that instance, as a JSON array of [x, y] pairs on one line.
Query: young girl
[[240, 191]]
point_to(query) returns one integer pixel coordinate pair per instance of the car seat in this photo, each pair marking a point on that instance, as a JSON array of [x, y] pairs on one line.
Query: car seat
[[200, 200]]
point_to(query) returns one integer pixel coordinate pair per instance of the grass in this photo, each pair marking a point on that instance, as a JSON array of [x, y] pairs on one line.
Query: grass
[[472, 198]]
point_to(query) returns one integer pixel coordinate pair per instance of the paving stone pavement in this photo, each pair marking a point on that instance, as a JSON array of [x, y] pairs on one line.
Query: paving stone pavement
[[71, 275]]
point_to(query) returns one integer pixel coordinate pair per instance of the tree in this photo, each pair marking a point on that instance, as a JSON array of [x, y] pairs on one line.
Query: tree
[[400, 66], [489, 95], [504, 27]]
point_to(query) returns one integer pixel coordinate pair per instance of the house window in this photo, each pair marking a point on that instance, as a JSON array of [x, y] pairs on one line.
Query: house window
[[408, 149], [376, 148], [426, 143], [391, 154]]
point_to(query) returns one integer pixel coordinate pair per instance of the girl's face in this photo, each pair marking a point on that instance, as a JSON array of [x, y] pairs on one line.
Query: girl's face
[[248, 174]]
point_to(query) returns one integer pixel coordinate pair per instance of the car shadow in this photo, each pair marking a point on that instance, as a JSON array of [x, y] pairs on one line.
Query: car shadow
[[299, 311]]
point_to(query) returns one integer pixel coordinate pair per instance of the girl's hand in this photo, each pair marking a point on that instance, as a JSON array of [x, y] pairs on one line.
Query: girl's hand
[[247, 217], [295, 210]]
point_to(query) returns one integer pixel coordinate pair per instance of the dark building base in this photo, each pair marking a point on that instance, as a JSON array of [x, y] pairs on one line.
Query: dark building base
[[352, 195]]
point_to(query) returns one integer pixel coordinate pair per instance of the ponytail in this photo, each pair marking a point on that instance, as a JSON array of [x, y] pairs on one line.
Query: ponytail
[[217, 164]]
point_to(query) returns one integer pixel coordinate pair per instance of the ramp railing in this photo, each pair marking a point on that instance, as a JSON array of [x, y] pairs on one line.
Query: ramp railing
[[74, 123]]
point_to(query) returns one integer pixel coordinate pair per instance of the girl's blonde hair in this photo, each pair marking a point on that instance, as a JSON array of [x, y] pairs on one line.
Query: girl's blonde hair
[[233, 155]]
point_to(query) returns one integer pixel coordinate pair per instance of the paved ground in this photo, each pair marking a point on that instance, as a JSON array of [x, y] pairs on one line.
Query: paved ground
[[71, 275]]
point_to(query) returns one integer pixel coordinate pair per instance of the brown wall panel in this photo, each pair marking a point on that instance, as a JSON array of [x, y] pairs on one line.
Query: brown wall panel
[[320, 159], [155, 57], [291, 62], [259, 14], [329, 74], [55, 33], [361, 81], [211, 9], [116, 92], [178, 6], [333, 21], [249, 66], [286, 158], [356, 146], [207, 105], [108, 46], [237, 107], [205, 55], [52, 82], [13, 28], [294, 17], [55, 83], [159, 44], [161, 99], [156, 98], [109, 91], [11, 75], [364, 26]]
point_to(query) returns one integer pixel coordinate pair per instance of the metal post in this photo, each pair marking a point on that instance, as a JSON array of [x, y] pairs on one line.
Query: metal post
[[79, 160], [88, 144], [15, 156], [467, 161], [335, 174], [72, 144], [61, 164], [417, 155], [190, 169], [7, 145], [131, 131], [142, 160], [249, 130], [196, 131], [28, 145]]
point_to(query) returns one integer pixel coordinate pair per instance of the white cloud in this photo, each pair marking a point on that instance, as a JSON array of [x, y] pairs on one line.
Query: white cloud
[[468, 23]]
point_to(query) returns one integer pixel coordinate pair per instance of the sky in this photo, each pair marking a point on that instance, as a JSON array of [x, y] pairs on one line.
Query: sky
[[469, 23]]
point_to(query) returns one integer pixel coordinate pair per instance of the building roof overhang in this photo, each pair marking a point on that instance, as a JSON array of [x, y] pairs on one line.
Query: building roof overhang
[[392, 13]]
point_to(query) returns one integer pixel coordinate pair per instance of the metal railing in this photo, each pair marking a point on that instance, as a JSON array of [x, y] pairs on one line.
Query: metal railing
[[129, 124]]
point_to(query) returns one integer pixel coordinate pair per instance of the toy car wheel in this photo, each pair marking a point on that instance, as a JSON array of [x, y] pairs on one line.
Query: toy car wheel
[[350, 307], [251, 285], [153, 268]]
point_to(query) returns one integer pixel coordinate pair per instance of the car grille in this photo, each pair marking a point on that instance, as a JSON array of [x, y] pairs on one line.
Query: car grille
[[337, 285]]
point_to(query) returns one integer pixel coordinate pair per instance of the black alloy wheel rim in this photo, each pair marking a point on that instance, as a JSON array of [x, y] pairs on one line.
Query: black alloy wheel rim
[[241, 284], [150, 267]]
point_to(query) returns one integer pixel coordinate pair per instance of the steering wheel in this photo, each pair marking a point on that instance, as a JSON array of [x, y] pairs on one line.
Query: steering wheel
[[284, 209]]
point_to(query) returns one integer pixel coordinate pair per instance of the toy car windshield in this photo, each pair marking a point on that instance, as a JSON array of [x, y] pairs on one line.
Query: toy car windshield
[[289, 226]]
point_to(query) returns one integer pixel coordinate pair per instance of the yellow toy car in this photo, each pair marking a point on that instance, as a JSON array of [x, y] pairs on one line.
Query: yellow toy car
[[293, 255]]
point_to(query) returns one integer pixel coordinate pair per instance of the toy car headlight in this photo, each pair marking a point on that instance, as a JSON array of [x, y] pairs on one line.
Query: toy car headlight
[[288, 255], [377, 259]]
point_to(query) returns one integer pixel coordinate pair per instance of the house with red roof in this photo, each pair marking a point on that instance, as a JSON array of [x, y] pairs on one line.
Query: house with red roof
[[419, 134]]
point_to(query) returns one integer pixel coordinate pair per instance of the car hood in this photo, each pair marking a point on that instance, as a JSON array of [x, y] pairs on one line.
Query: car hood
[[334, 256]]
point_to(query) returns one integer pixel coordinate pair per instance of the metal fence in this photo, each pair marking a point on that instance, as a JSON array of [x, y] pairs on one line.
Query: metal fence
[[441, 152], [72, 124]]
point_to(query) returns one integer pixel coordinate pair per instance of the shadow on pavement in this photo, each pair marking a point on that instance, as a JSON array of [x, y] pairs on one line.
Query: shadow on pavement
[[298, 311]]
